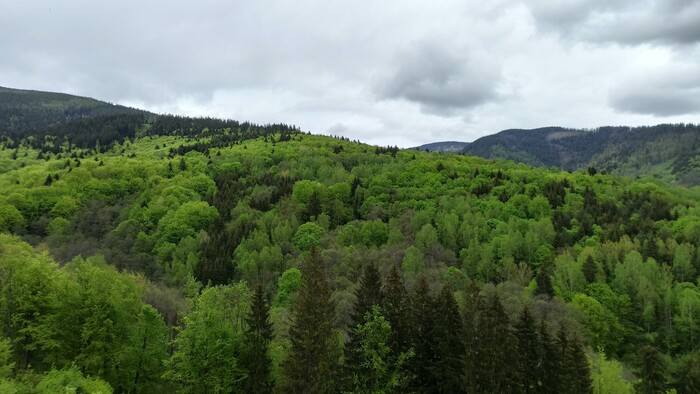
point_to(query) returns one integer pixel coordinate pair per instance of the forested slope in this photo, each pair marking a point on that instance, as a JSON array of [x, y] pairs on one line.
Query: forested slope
[[667, 152], [258, 258]]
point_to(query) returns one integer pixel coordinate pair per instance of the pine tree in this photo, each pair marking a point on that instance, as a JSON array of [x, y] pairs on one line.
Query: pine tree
[[448, 344], [422, 319], [311, 363], [367, 295], [590, 269], [575, 371], [378, 371], [492, 358], [258, 336], [502, 343], [396, 309], [472, 338], [544, 282], [652, 371], [529, 346], [550, 371]]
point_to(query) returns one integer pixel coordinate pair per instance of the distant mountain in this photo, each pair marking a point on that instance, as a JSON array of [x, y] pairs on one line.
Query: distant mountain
[[23, 111], [53, 122], [446, 146], [670, 152]]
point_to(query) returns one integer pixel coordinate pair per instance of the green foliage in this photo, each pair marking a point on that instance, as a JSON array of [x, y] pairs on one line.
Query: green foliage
[[209, 346], [71, 380], [608, 376], [312, 361], [377, 370], [308, 236], [612, 260]]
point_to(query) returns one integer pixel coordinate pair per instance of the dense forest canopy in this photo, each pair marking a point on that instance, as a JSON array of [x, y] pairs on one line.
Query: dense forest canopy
[[665, 151], [202, 255]]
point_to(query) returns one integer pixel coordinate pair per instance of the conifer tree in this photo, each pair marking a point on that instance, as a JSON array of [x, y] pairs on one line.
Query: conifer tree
[[502, 345], [652, 371], [396, 308], [367, 295], [310, 366], [544, 282], [448, 344], [422, 319], [575, 371], [258, 336], [590, 269], [472, 338], [529, 347], [550, 371]]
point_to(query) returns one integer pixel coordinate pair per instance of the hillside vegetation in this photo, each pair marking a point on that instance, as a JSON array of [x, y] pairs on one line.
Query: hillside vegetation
[[211, 256], [667, 152]]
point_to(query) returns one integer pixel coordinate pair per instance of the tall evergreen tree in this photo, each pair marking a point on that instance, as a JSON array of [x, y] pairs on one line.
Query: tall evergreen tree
[[448, 344], [473, 340], [544, 282], [367, 295], [652, 371], [590, 269], [575, 371], [258, 336], [530, 347], [378, 371], [492, 358], [422, 324], [396, 309], [310, 366], [550, 371]]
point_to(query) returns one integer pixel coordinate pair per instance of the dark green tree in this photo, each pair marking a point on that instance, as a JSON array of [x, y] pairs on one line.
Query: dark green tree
[[652, 371], [422, 318], [258, 336], [575, 371], [550, 368], [590, 269], [448, 344], [311, 364], [396, 308], [529, 347], [544, 281], [367, 295]]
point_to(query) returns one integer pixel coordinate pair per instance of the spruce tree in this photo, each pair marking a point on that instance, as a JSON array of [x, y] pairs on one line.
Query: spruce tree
[[652, 371], [311, 363], [575, 371], [422, 319], [529, 347], [590, 269], [473, 338], [448, 344], [550, 368], [544, 282], [396, 309], [502, 344], [258, 336], [367, 295]]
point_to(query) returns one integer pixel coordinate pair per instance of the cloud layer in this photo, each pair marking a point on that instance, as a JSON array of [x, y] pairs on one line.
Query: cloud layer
[[368, 70]]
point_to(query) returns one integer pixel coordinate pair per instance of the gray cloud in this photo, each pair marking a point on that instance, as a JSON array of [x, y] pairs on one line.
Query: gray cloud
[[674, 92], [442, 82], [453, 70], [622, 21]]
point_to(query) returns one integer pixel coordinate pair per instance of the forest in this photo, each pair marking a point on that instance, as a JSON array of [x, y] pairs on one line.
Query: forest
[[212, 256], [664, 151]]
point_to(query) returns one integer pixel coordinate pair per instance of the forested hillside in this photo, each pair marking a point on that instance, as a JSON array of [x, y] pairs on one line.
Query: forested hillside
[[667, 152], [27, 111], [258, 259]]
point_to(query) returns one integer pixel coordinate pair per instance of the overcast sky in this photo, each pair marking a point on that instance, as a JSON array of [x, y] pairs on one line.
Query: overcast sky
[[384, 72]]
